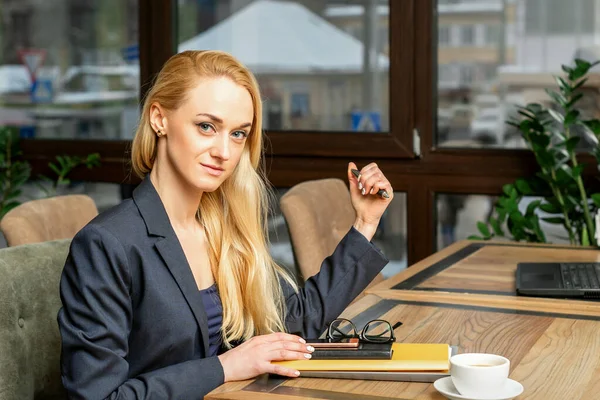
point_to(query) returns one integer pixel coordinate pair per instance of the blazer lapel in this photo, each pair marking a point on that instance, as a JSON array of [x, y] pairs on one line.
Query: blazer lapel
[[157, 224], [173, 255]]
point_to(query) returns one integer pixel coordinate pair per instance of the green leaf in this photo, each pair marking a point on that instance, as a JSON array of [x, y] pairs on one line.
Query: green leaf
[[580, 84], [554, 220], [526, 114], [525, 126], [532, 206], [564, 175], [513, 122], [557, 97], [540, 139], [535, 108], [570, 143], [593, 125], [523, 186], [576, 171], [557, 116], [571, 117], [581, 63], [596, 199], [482, 227], [581, 68], [475, 237], [571, 201], [550, 208], [567, 69], [54, 168], [538, 231], [517, 217], [496, 226], [501, 215], [507, 189], [574, 100], [562, 84]]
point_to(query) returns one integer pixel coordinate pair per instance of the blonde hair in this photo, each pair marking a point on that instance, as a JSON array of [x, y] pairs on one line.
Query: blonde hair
[[235, 215]]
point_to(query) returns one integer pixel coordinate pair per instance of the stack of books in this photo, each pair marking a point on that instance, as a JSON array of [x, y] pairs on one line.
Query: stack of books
[[415, 362]]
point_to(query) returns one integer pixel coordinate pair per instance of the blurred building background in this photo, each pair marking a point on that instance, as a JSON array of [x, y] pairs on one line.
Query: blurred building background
[[71, 70]]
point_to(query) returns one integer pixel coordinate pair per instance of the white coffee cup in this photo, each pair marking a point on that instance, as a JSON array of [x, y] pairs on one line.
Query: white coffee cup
[[479, 375]]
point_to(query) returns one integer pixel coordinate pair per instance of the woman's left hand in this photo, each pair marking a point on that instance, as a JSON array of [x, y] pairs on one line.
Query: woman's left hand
[[368, 204]]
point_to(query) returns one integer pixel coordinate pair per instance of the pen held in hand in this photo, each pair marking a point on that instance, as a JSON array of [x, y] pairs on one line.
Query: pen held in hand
[[381, 192]]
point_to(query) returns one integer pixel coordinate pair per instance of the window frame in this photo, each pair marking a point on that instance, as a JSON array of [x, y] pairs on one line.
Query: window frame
[[294, 157]]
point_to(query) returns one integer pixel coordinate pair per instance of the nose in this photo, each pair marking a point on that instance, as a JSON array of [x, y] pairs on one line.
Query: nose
[[221, 148]]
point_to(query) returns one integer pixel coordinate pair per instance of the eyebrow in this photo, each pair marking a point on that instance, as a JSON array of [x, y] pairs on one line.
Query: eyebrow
[[220, 121]]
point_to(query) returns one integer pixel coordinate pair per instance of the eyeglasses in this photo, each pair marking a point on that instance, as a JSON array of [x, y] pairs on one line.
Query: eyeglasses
[[375, 331]]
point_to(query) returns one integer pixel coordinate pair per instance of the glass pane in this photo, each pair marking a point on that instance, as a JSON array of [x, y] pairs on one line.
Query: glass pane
[[308, 56], [391, 235], [457, 217], [495, 54], [69, 69]]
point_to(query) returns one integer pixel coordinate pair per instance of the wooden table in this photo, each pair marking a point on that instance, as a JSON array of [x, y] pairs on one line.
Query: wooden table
[[465, 295]]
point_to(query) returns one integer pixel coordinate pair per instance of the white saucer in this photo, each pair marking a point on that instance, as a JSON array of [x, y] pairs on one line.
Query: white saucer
[[446, 387]]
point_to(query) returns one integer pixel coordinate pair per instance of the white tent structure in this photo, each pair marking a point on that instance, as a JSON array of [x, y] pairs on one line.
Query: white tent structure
[[273, 37]]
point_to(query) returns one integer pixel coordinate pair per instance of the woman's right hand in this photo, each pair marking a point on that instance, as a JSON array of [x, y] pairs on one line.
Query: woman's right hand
[[254, 356]]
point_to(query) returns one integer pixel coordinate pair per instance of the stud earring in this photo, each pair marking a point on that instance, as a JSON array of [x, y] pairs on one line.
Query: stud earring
[[159, 133]]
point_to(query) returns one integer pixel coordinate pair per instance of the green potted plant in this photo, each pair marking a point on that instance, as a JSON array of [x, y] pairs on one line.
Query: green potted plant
[[551, 135]]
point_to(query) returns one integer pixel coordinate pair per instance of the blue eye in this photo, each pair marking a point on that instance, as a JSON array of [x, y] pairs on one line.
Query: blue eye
[[205, 127], [239, 134]]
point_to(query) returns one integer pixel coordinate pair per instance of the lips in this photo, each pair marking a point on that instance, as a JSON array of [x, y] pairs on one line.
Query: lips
[[213, 169]]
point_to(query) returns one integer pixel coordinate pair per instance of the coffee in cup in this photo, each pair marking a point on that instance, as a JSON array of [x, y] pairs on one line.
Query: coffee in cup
[[479, 375]]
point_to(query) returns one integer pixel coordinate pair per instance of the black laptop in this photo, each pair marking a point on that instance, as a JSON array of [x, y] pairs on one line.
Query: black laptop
[[567, 279]]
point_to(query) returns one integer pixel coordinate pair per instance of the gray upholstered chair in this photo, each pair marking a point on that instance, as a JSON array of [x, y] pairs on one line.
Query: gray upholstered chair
[[318, 214], [53, 218], [29, 336]]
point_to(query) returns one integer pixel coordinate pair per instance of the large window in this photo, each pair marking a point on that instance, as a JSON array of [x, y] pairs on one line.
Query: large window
[[322, 65], [525, 42], [433, 115], [69, 69]]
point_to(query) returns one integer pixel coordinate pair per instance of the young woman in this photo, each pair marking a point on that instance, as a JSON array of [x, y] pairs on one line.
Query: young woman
[[173, 292]]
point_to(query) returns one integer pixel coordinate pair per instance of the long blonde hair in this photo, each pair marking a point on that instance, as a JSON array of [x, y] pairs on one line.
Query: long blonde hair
[[235, 215]]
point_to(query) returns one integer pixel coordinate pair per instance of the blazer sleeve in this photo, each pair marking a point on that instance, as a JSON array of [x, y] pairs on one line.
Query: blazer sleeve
[[343, 275], [95, 322]]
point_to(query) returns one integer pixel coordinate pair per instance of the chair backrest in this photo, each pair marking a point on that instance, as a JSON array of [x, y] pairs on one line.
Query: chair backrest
[[29, 336], [318, 214], [42, 220]]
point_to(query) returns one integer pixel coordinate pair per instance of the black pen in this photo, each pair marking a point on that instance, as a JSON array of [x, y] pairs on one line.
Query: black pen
[[381, 192]]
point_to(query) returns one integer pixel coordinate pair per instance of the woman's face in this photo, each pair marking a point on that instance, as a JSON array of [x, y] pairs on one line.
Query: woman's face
[[205, 137]]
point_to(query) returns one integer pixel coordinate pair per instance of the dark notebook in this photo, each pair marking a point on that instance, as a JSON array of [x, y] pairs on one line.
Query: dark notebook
[[365, 351]]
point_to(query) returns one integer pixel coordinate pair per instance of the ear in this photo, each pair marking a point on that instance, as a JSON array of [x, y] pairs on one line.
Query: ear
[[157, 118]]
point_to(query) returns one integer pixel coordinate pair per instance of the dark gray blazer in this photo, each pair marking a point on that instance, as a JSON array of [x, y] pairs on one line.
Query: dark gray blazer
[[133, 324]]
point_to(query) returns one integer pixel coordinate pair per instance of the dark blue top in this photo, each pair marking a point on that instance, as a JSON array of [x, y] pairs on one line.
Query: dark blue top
[[214, 315]]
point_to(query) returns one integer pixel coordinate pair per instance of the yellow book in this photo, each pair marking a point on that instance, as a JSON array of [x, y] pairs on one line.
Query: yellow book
[[405, 357]]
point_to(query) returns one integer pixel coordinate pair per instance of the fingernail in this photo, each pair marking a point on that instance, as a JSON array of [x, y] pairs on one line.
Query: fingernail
[[302, 340], [310, 348], [297, 373], [307, 355], [359, 186], [364, 191]]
